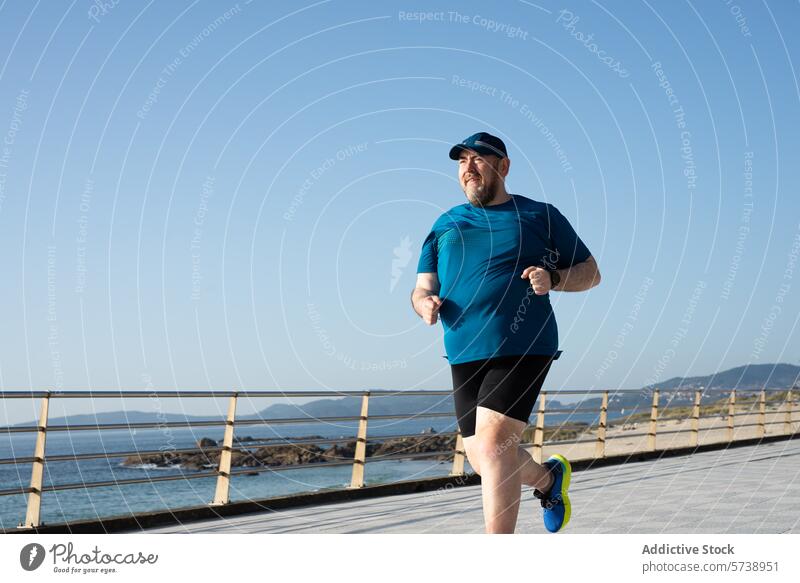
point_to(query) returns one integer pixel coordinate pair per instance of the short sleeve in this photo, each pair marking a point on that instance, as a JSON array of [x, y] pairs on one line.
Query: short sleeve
[[569, 248], [429, 256]]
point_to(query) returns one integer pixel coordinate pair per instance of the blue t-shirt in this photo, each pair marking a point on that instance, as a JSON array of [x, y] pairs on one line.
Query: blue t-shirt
[[479, 254]]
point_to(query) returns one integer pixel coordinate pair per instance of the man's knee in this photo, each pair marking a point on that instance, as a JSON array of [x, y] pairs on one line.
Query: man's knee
[[496, 446], [496, 440], [492, 448]]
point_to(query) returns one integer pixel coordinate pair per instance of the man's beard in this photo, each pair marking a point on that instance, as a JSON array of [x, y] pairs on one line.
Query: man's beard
[[480, 193]]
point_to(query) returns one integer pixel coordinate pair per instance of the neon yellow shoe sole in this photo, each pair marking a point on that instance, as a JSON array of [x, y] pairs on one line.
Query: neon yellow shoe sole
[[556, 505]]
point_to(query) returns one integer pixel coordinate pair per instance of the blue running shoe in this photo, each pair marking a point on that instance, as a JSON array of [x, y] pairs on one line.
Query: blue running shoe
[[557, 509]]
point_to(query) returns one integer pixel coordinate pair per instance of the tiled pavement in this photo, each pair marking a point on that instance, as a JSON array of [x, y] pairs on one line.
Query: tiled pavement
[[753, 489]]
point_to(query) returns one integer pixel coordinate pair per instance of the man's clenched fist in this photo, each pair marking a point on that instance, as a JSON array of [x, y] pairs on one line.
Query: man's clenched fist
[[429, 309], [540, 279]]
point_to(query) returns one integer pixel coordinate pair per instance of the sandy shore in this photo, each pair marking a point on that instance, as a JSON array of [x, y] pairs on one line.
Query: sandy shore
[[674, 433]]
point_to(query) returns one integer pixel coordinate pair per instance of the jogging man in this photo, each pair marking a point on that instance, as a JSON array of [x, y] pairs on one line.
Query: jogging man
[[486, 269]]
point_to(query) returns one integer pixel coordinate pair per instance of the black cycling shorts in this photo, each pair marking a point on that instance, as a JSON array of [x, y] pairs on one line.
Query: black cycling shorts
[[506, 384]]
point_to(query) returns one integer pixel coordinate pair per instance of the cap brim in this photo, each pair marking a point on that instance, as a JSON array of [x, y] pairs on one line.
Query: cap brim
[[455, 151]]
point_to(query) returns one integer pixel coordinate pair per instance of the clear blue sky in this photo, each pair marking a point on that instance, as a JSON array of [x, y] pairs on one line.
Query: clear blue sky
[[226, 195]]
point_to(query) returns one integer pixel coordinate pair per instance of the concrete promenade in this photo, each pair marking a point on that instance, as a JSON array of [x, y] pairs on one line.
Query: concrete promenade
[[753, 489]]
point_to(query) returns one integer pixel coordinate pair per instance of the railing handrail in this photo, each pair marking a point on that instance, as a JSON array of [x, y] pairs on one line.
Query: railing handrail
[[199, 393], [273, 393]]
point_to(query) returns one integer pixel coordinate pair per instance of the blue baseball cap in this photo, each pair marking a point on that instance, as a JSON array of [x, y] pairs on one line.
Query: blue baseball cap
[[482, 143]]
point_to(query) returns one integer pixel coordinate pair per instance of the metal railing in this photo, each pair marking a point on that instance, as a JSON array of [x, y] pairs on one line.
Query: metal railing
[[223, 471]]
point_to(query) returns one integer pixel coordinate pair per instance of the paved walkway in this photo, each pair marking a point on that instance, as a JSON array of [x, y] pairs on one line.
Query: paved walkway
[[741, 490]]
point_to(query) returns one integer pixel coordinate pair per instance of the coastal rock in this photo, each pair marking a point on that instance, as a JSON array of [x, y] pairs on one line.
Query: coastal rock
[[287, 455], [406, 445], [297, 454], [163, 460]]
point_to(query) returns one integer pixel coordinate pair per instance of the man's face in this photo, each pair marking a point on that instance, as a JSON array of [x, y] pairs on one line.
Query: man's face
[[480, 176]]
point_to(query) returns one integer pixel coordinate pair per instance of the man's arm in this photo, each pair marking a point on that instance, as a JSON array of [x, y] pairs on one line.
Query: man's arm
[[579, 277], [425, 299]]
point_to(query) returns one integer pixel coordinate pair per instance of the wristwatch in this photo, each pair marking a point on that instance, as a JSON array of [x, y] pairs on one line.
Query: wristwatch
[[555, 278]]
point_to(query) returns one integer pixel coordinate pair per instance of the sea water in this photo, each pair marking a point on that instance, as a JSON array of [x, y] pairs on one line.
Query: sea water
[[106, 501]]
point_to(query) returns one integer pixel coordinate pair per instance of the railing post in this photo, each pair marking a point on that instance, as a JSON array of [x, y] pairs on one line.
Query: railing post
[[651, 434], [731, 413], [458, 457], [538, 432], [360, 458], [693, 436], [762, 413], [222, 494], [787, 420], [37, 470], [600, 446]]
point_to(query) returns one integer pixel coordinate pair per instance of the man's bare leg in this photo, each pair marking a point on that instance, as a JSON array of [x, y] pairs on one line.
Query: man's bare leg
[[533, 474], [495, 454]]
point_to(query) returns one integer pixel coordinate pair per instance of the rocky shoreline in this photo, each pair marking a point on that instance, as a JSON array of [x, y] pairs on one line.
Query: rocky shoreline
[[278, 455], [249, 452]]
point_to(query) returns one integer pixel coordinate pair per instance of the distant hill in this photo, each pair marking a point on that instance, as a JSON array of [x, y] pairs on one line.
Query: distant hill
[[681, 391], [750, 377], [349, 406], [119, 417]]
